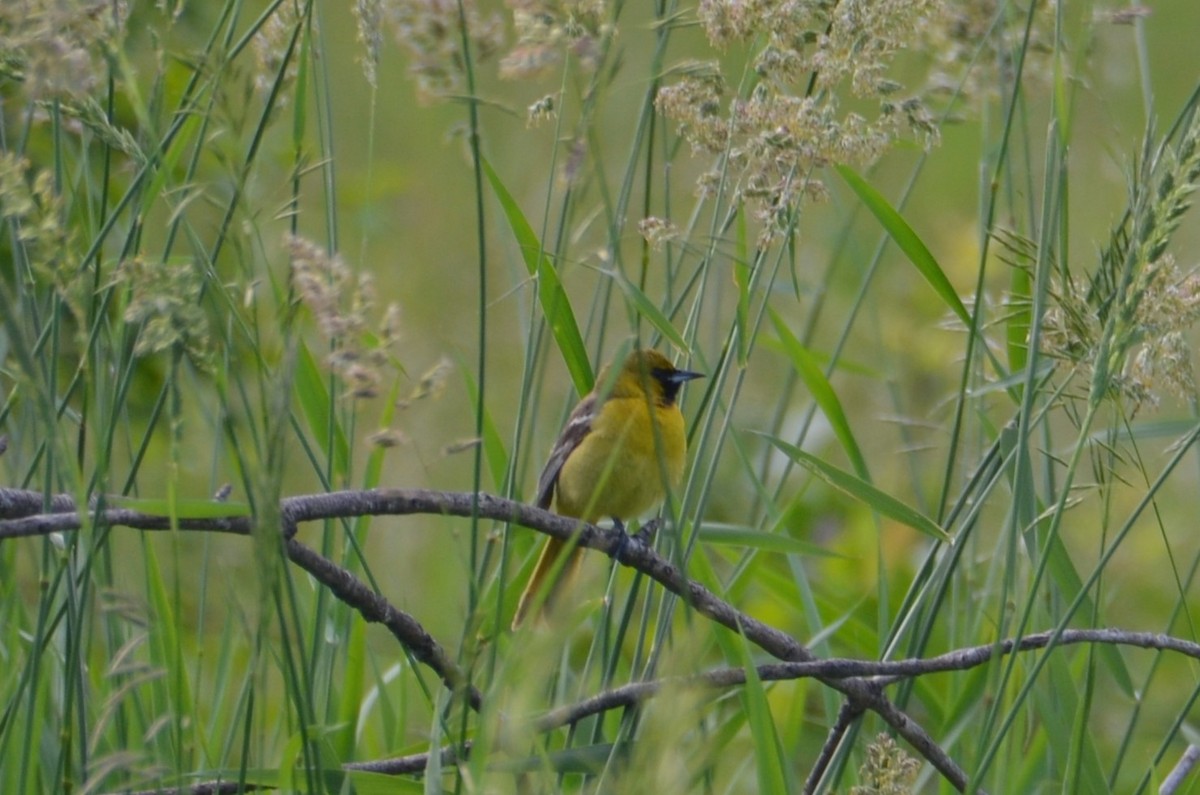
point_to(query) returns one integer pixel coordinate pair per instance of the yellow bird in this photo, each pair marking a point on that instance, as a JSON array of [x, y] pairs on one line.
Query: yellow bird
[[611, 457]]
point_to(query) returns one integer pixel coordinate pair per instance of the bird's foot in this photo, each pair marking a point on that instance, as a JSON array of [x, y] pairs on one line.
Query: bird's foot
[[649, 530], [643, 538]]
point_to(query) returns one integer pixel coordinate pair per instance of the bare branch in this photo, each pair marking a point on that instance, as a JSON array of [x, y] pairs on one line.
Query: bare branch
[[15, 503], [862, 693], [375, 608], [846, 717], [885, 672], [372, 606], [413, 763]]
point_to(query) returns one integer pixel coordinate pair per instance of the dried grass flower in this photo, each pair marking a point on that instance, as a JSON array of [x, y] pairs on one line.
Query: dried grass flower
[[56, 48], [430, 31], [1122, 326], [273, 45], [343, 305], [37, 215], [548, 29], [164, 304], [808, 60], [888, 770]]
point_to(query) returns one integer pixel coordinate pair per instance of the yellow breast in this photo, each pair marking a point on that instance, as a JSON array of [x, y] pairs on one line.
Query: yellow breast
[[617, 470]]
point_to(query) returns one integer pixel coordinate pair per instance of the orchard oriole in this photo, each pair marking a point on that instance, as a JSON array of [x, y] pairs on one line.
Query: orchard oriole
[[611, 458]]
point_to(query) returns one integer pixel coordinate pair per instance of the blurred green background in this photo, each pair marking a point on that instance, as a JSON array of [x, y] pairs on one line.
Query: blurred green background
[[385, 178]]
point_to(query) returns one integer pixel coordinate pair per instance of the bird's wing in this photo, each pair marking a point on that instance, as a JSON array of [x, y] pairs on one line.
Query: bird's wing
[[579, 424]]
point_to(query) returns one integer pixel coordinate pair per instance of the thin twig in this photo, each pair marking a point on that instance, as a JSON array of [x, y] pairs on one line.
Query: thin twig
[[884, 672], [846, 717], [375, 608], [413, 763]]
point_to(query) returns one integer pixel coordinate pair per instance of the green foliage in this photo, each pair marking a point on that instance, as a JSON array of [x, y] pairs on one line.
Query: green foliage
[[238, 262]]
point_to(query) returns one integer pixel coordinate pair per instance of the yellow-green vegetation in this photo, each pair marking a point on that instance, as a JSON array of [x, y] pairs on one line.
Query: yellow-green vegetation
[[935, 258]]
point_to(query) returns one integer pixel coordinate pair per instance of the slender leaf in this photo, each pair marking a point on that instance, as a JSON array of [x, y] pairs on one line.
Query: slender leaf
[[875, 499], [773, 772], [908, 241], [649, 312], [758, 539], [317, 408], [556, 306], [183, 509], [822, 391], [494, 451]]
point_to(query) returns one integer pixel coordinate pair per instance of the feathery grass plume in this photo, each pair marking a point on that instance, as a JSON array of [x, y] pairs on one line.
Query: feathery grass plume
[[791, 122], [164, 302], [1121, 16], [669, 748], [432, 383], [369, 16], [87, 114], [37, 217], [657, 231], [132, 675], [547, 28], [976, 43], [1122, 328], [694, 103], [429, 31], [57, 47], [271, 44], [342, 306], [888, 770]]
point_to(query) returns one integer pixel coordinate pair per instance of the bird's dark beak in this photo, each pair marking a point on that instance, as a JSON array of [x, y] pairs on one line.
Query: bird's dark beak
[[683, 376]]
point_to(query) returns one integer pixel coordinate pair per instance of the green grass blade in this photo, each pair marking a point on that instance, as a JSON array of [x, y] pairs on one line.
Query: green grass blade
[[556, 306], [649, 312], [822, 391], [366, 783], [183, 508], [773, 772], [351, 691], [879, 501], [747, 538], [317, 408], [1016, 326], [1085, 773], [494, 451], [742, 273], [908, 240]]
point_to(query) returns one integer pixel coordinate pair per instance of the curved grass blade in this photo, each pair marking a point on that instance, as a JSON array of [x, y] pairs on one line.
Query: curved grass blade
[[908, 241], [555, 305], [877, 500], [182, 508], [746, 538], [822, 391], [773, 772], [648, 311], [494, 451], [315, 404]]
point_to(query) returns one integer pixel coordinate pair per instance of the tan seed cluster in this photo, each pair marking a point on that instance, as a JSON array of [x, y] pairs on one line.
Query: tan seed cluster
[[807, 60], [342, 305]]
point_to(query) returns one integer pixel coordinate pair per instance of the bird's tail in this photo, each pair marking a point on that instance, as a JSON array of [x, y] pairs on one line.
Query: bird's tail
[[547, 580]]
